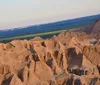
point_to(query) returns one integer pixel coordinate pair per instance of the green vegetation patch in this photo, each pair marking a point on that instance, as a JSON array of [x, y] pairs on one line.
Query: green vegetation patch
[[32, 35]]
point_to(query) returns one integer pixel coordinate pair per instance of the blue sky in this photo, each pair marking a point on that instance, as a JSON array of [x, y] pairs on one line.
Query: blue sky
[[16, 13]]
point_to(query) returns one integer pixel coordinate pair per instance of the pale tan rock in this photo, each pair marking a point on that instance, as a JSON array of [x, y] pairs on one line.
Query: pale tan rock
[[41, 70], [15, 81], [25, 74], [1, 78]]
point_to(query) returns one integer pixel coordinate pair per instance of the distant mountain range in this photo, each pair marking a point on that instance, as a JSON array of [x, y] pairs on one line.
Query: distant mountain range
[[61, 25]]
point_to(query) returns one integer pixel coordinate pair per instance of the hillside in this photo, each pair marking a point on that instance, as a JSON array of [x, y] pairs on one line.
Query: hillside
[[56, 26], [71, 58], [96, 27]]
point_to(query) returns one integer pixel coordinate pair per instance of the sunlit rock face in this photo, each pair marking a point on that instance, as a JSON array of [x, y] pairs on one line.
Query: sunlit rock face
[[71, 58]]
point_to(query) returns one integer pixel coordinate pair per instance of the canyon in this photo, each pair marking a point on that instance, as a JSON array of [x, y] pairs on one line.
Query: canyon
[[70, 58]]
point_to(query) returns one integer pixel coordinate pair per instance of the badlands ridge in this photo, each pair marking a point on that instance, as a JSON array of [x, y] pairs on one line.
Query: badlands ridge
[[71, 58]]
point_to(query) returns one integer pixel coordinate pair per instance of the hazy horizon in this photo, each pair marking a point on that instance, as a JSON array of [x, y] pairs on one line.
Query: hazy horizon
[[19, 13]]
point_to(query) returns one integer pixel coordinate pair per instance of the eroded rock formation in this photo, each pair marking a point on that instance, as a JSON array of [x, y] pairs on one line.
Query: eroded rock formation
[[71, 58]]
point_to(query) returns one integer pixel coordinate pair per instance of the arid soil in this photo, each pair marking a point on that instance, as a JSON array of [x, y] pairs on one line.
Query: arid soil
[[71, 58]]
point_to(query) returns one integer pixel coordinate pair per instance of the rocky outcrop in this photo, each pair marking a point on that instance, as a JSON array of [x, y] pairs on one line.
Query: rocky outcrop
[[92, 54], [96, 28], [71, 58]]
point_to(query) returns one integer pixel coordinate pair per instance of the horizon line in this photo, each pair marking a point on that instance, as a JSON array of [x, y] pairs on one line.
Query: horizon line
[[51, 22]]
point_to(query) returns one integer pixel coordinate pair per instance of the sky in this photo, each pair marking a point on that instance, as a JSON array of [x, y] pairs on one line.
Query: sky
[[21, 13]]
